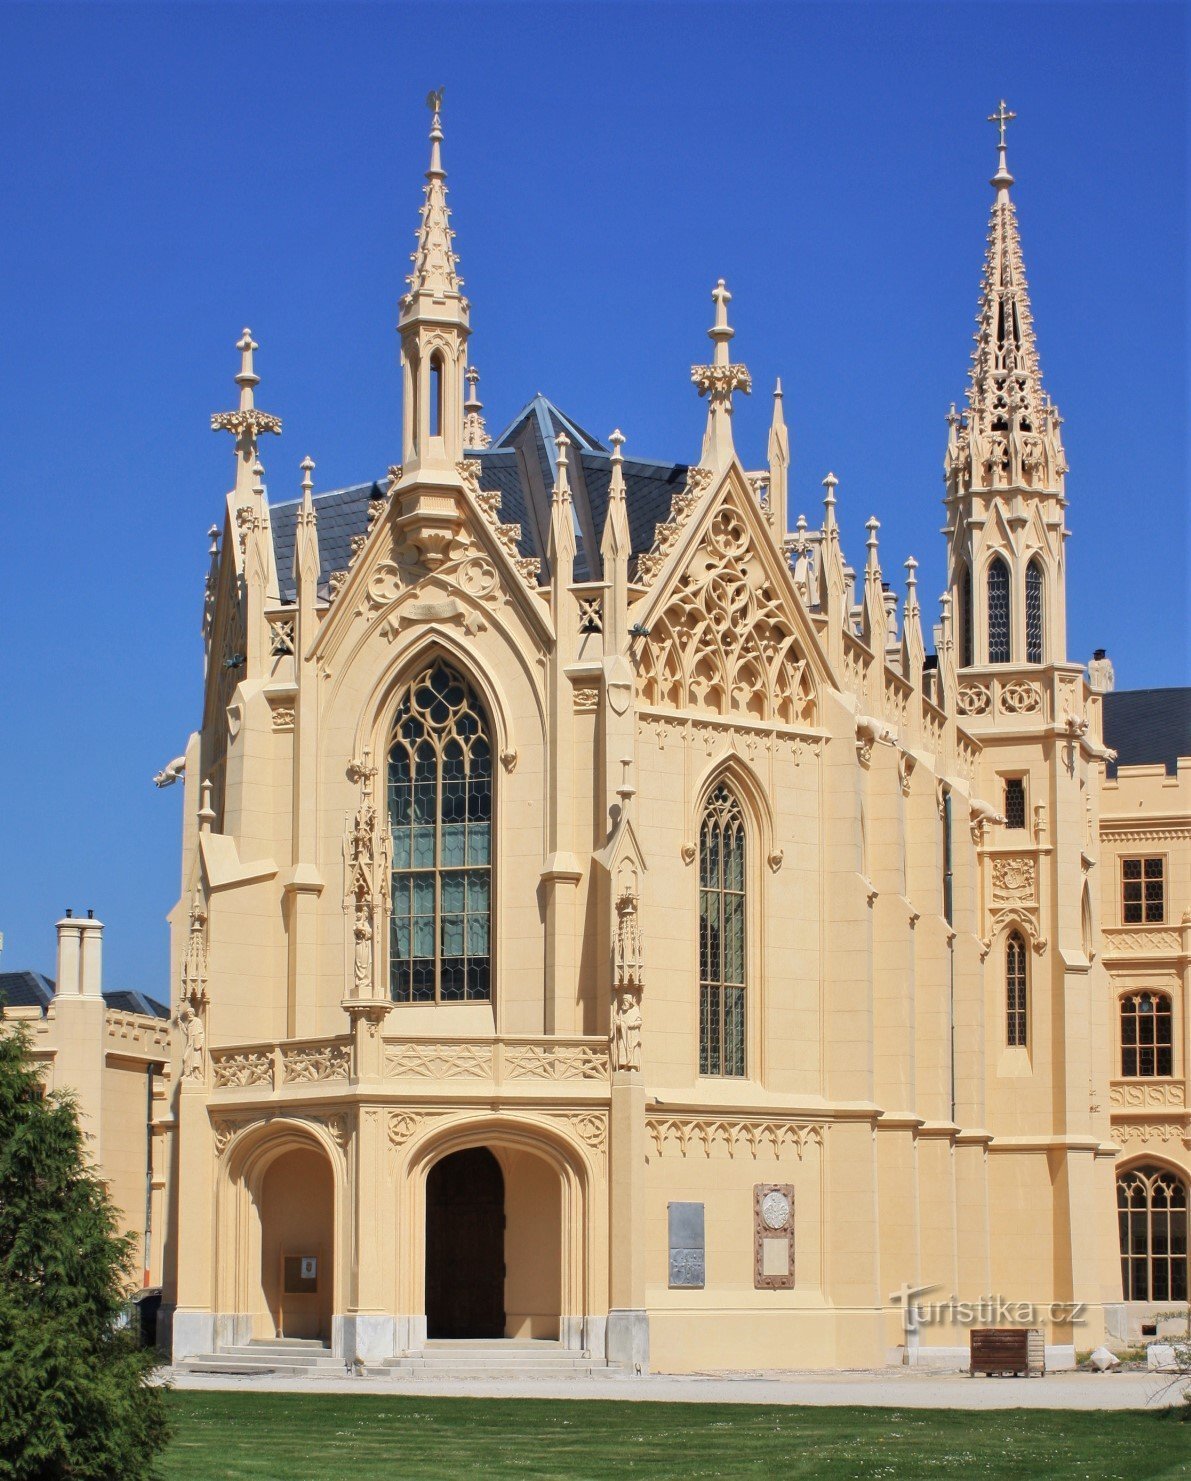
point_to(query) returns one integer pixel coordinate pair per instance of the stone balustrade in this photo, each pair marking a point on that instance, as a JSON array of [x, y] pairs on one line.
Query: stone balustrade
[[492, 1061]]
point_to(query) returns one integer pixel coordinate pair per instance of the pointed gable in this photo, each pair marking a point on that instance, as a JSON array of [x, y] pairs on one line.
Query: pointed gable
[[727, 634]]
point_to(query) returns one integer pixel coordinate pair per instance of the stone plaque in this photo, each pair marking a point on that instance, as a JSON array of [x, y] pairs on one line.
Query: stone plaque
[[687, 1246], [773, 1236]]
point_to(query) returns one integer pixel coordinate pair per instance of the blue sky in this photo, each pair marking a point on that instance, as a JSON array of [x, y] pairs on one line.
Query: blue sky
[[171, 173]]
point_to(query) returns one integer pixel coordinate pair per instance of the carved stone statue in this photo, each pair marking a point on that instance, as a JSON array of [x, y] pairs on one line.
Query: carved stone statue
[[626, 1030], [194, 1040], [363, 956]]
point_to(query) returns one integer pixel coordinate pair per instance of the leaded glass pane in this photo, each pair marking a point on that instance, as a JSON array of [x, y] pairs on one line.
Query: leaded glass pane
[[1033, 613], [998, 611], [1015, 991], [722, 937], [440, 813], [1152, 1220], [1015, 802], [965, 605]]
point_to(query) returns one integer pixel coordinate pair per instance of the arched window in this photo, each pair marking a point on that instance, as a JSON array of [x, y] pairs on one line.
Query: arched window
[[440, 812], [1015, 990], [721, 936], [1152, 1218], [1147, 1038], [436, 388], [1034, 612], [998, 611], [967, 657]]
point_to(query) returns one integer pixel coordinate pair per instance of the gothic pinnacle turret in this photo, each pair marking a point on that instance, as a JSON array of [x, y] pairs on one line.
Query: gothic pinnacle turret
[[434, 325], [1008, 435], [1005, 470], [717, 381], [247, 422]]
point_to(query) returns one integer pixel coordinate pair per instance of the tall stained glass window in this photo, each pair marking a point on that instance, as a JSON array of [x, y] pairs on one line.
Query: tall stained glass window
[[1034, 612], [1152, 1216], [440, 813], [998, 611], [1015, 990], [721, 936]]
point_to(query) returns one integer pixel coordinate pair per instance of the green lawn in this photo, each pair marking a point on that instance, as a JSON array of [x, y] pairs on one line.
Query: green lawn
[[363, 1437]]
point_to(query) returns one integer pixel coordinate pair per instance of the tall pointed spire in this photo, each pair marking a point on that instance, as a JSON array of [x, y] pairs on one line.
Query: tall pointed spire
[[717, 381], [1008, 434], [436, 270], [434, 324], [1005, 468], [615, 548], [779, 465], [247, 422]]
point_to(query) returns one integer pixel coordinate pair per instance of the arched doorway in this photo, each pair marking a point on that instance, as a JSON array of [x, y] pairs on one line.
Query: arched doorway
[[465, 1246], [296, 1200]]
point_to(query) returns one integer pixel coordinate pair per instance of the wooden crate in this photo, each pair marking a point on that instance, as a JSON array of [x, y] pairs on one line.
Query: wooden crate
[[1008, 1350]]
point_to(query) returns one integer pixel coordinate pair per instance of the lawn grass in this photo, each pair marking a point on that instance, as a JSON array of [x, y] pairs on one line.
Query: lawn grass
[[365, 1437]]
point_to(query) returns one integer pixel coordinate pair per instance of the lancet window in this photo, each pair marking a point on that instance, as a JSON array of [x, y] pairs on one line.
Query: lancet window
[[1015, 990], [967, 658], [1034, 612], [998, 611], [1152, 1218], [1147, 1037], [722, 871], [440, 813]]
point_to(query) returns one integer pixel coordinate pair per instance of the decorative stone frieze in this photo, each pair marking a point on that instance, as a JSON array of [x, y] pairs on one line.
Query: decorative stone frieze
[[681, 1133]]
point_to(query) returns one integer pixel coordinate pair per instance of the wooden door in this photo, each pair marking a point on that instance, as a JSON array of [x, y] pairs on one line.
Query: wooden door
[[465, 1224]]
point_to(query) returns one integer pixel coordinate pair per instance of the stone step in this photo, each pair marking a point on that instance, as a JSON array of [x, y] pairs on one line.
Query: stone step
[[397, 1368], [301, 1344]]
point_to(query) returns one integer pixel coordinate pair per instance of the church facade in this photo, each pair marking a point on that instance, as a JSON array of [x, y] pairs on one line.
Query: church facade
[[609, 918]]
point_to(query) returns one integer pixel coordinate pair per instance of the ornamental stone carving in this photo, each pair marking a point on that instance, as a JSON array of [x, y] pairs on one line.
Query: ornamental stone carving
[[680, 1133], [242, 1069], [1137, 1095], [1013, 879], [192, 998], [724, 643], [315, 1062], [974, 699], [1019, 697]]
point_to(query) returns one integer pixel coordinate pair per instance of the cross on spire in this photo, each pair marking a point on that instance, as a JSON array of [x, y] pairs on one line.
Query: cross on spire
[[1002, 179], [1001, 117]]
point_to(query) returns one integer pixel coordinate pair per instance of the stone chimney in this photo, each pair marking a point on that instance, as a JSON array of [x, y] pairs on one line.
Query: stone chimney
[[1101, 675], [70, 937], [91, 957]]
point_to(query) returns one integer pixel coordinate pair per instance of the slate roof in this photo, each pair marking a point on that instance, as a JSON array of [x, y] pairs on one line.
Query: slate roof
[[35, 990], [25, 990], [1148, 726], [522, 463]]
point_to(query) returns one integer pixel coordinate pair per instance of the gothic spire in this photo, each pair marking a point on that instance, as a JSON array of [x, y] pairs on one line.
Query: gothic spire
[[1008, 435], [436, 270], [434, 324], [247, 422], [717, 381], [779, 465]]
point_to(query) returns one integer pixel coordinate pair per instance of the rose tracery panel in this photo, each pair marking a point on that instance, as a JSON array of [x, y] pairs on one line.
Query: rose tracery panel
[[724, 642]]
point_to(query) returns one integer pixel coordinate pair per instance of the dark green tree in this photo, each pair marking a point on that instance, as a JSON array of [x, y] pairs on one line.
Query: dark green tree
[[75, 1392]]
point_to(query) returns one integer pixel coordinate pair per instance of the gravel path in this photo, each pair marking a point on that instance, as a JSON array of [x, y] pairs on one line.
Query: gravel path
[[885, 1388]]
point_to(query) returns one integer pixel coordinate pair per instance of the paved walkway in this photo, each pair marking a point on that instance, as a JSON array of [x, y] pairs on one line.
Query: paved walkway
[[885, 1388]]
